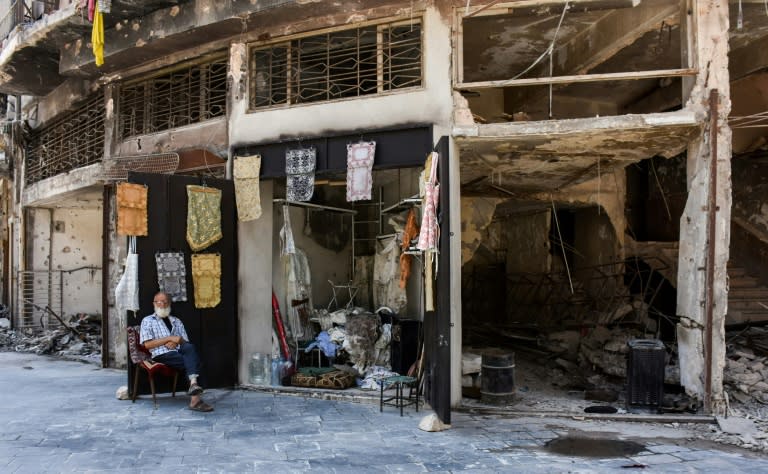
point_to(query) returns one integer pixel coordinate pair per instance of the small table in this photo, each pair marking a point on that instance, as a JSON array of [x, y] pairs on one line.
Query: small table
[[398, 399]]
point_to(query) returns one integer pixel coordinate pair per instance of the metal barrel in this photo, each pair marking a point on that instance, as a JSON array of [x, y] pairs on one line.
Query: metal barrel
[[498, 378]]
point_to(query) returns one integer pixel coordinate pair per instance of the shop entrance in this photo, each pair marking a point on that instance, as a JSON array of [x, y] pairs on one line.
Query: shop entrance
[[212, 330]]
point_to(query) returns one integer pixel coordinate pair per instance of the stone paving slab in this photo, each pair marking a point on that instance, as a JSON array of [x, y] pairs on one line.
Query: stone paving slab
[[60, 416]]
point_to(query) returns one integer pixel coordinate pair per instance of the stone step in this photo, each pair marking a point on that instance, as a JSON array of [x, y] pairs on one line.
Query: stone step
[[743, 282]]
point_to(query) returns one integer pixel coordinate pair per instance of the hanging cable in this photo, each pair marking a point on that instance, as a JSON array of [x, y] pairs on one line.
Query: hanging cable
[[562, 244]]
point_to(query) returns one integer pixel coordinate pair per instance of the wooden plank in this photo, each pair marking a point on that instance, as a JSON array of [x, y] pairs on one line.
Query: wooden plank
[[613, 76]]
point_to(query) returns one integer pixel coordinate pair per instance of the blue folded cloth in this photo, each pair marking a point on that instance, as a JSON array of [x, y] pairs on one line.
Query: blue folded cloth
[[323, 341]]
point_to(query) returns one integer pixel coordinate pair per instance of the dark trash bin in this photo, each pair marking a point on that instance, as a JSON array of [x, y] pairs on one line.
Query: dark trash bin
[[645, 373], [497, 378]]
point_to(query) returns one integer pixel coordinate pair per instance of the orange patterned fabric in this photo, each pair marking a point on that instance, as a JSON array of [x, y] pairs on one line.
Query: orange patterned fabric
[[411, 232], [132, 209], [206, 278]]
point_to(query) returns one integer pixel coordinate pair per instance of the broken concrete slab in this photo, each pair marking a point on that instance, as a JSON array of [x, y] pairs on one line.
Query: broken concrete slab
[[735, 425]]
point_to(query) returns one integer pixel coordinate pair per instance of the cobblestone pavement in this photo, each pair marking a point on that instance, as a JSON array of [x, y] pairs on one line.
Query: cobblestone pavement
[[61, 416]]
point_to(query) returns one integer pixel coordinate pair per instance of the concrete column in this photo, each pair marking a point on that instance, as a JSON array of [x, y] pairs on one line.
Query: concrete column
[[702, 297]]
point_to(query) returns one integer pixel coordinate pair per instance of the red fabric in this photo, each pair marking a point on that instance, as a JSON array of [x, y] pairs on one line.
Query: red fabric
[[91, 9]]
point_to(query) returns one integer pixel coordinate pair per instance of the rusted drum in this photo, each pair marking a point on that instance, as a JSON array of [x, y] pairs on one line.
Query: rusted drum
[[498, 378]]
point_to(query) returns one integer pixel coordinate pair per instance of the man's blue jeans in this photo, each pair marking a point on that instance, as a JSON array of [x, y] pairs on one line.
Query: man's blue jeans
[[184, 358]]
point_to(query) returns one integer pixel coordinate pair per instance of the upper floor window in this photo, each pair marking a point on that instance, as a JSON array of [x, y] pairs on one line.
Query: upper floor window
[[187, 94], [74, 140], [342, 64]]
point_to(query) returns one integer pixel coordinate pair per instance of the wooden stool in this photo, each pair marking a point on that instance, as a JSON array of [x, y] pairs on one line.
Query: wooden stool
[[398, 399]]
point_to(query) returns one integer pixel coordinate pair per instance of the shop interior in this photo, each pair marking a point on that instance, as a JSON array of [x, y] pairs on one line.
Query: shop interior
[[349, 284]]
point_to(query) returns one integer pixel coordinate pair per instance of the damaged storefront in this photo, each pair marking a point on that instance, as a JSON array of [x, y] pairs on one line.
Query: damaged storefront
[[356, 224]]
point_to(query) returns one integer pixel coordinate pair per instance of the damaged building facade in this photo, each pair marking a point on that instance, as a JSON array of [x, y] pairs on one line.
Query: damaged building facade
[[586, 167]]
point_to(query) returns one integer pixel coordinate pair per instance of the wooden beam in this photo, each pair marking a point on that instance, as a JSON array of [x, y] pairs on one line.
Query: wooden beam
[[749, 59], [612, 76]]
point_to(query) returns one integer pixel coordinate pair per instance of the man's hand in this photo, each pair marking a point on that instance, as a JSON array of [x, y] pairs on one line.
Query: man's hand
[[173, 342]]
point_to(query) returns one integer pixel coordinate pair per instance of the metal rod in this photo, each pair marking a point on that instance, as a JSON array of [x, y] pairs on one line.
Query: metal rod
[[314, 206], [710, 268], [105, 250]]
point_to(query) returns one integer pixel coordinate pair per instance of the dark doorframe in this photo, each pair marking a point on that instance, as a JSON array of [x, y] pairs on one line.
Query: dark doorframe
[[213, 330], [437, 324]]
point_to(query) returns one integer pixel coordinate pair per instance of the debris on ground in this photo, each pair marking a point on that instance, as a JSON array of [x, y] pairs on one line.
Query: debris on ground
[[79, 339]]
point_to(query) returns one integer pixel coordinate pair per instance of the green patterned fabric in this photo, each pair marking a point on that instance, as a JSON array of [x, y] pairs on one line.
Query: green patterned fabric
[[203, 216]]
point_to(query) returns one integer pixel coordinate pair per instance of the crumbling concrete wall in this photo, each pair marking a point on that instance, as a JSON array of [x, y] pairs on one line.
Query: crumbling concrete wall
[[476, 215], [702, 359]]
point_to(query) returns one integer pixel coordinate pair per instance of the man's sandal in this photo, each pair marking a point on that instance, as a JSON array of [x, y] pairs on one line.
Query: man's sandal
[[201, 406]]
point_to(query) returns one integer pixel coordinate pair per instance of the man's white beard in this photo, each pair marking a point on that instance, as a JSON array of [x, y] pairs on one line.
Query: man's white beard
[[163, 312]]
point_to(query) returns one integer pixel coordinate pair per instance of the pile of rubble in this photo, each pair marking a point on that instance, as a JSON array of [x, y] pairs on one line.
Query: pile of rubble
[[746, 367], [79, 339]]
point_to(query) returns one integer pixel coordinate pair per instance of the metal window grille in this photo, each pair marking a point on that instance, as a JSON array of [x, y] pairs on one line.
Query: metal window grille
[[72, 141], [350, 63], [37, 290], [189, 94]]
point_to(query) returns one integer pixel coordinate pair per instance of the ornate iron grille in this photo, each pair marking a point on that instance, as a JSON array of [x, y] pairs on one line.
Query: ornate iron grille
[[70, 142], [337, 65], [189, 94]]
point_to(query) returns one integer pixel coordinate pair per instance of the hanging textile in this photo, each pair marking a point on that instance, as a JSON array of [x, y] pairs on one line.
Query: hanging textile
[[286, 234], [360, 170], [298, 294], [131, 209], [105, 6], [386, 278], [300, 174], [429, 227], [97, 36], [206, 278], [127, 289], [172, 275], [203, 216], [246, 177], [430, 230], [411, 232]]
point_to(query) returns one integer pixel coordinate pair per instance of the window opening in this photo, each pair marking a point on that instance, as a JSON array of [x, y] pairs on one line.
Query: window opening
[[337, 65], [186, 95], [72, 141]]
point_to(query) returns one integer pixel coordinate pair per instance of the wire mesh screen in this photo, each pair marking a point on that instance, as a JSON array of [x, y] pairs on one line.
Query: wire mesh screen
[[187, 95], [349, 63], [70, 142], [118, 167], [38, 290]]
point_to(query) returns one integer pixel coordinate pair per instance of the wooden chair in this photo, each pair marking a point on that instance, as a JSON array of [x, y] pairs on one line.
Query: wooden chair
[[142, 359]]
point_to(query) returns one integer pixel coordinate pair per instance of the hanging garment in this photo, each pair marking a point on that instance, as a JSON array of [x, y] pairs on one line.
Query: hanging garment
[[411, 232], [298, 294], [131, 209], [206, 278], [246, 177], [172, 275], [300, 174], [429, 227], [286, 234], [360, 170], [203, 216], [127, 289], [386, 278], [97, 36]]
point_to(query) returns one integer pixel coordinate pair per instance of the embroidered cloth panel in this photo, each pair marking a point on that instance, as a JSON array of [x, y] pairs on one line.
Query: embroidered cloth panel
[[172, 275], [132, 209], [203, 216], [300, 174], [247, 196], [360, 170], [206, 278]]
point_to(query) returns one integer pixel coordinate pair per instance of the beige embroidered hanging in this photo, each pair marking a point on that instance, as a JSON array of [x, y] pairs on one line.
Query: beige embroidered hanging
[[206, 278], [132, 209], [203, 216], [246, 178]]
